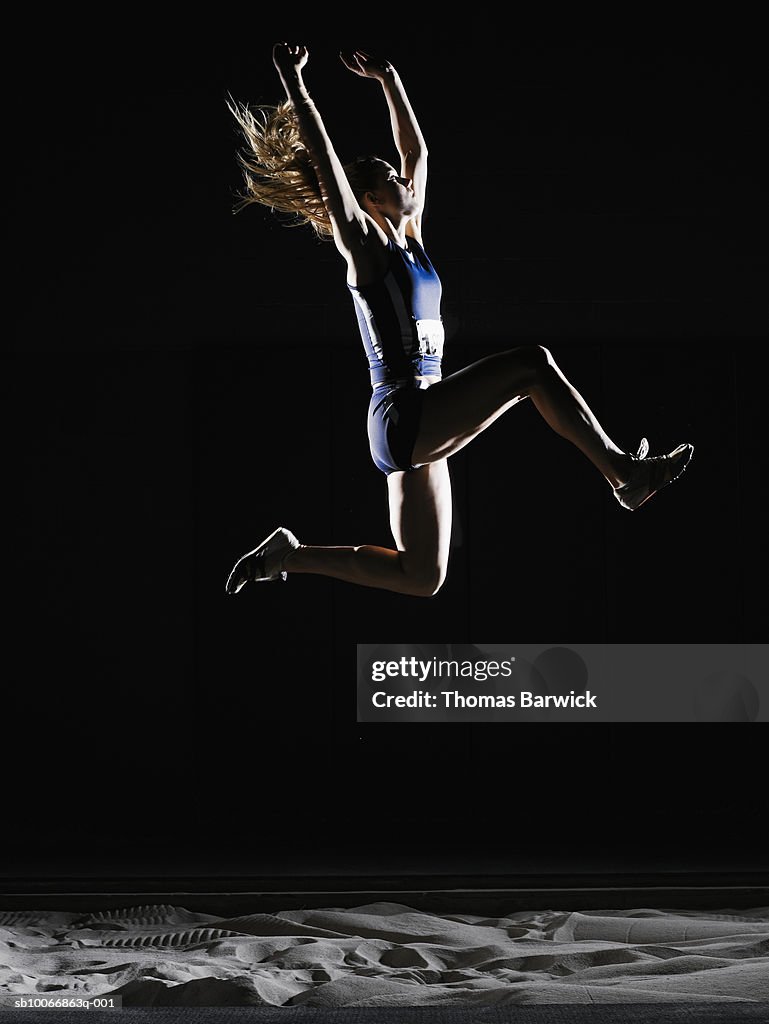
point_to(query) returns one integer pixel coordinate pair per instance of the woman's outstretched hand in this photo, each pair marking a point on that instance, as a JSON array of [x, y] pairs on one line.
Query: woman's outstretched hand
[[366, 66], [289, 59]]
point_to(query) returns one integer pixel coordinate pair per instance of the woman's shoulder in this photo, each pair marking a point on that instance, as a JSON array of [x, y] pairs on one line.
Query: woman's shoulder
[[369, 260]]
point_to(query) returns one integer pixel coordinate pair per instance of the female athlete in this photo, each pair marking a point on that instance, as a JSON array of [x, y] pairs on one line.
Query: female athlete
[[417, 419]]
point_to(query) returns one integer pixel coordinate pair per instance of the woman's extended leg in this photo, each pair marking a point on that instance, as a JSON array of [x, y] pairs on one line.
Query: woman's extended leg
[[420, 520], [461, 406]]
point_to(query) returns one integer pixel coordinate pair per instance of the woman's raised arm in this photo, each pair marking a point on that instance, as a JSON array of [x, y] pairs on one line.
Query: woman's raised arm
[[347, 216], [407, 134]]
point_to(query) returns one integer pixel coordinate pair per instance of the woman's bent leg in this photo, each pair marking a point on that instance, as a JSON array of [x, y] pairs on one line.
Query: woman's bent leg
[[420, 519], [458, 408]]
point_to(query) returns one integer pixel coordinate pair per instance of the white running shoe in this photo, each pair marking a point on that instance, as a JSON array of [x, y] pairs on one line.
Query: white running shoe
[[651, 475], [265, 562]]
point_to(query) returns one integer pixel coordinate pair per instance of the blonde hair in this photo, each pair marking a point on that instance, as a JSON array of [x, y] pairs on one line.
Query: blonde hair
[[278, 171]]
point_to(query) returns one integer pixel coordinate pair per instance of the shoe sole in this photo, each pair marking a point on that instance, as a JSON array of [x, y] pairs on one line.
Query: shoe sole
[[262, 579], [679, 474]]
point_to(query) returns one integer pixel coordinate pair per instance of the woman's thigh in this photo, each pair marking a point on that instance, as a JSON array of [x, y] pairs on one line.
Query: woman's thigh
[[462, 405], [420, 520]]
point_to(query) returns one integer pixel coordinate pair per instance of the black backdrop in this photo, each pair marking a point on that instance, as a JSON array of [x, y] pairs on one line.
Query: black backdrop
[[183, 379]]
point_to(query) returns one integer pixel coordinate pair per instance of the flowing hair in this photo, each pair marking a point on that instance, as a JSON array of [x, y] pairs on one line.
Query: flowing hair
[[278, 171]]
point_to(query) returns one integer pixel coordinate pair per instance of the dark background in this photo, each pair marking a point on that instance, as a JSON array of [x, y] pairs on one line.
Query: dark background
[[182, 380]]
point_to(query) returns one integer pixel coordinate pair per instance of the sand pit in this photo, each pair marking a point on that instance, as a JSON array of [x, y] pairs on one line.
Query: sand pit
[[387, 954]]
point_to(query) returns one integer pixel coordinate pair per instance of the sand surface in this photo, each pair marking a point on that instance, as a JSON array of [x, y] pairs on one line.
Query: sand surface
[[387, 954]]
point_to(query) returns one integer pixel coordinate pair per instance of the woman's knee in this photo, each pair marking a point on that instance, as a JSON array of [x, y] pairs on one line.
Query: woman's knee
[[534, 362], [425, 580], [535, 357]]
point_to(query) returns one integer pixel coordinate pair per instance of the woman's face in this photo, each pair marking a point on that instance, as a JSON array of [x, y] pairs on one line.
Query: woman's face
[[395, 194]]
